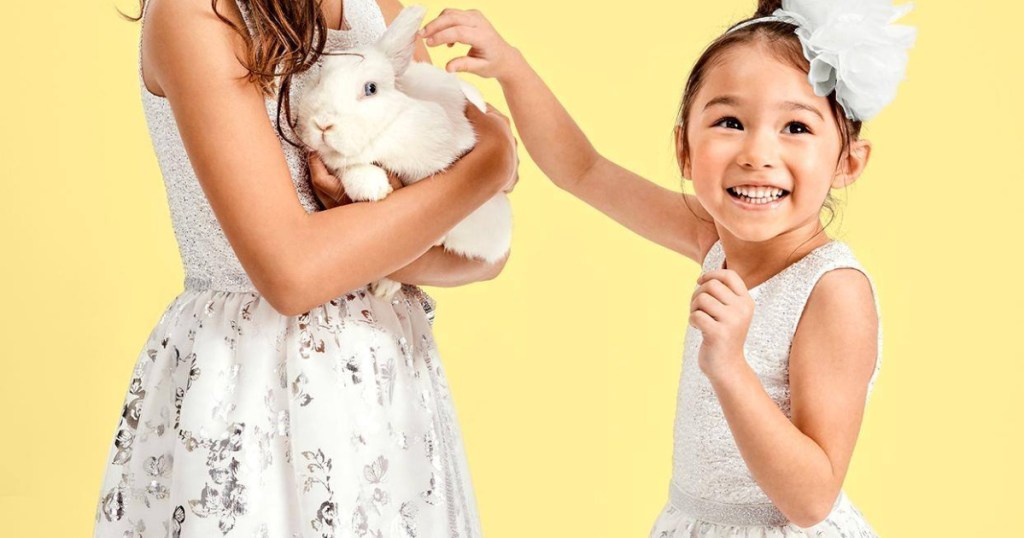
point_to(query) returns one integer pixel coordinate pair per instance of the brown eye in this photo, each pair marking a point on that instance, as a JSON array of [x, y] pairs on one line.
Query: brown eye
[[801, 128], [729, 123]]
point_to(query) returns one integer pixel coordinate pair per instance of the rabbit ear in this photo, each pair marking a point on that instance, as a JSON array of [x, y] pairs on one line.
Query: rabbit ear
[[399, 40]]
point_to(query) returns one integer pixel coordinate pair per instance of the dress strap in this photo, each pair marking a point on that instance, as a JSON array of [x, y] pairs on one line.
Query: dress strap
[[245, 10], [713, 259]]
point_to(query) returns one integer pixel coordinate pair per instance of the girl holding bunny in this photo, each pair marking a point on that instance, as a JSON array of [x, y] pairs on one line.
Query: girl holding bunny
[[784, 338], [275, 396]]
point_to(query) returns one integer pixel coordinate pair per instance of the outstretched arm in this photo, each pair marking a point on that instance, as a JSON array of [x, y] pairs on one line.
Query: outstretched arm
[[560, 148]]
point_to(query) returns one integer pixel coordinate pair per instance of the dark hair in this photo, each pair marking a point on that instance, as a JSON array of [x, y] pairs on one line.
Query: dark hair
[[288, 37], [782, 42]]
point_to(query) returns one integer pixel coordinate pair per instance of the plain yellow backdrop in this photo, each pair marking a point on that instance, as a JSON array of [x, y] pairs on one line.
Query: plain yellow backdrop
[[564, 370]]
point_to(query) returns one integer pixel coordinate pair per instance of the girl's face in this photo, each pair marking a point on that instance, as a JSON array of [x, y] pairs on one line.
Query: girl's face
[[764, 148]]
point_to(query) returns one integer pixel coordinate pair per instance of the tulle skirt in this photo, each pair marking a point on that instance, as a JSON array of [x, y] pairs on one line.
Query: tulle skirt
[[239, 421]]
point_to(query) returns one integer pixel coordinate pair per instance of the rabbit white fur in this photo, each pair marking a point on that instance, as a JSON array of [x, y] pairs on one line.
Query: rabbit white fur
[[373, 104]]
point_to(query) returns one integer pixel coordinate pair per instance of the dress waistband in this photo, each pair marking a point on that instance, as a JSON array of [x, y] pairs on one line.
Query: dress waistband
[[726, 513], [226, 282]]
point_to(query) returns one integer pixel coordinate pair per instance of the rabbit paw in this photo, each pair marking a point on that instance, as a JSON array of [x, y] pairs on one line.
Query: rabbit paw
[[385, 288], [366, 183]]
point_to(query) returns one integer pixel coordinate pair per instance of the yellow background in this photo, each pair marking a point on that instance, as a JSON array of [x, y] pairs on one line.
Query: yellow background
[[564, 369]]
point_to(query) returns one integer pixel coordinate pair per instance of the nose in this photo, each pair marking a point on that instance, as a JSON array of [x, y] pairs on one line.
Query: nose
[[760, 150], [323, 128]]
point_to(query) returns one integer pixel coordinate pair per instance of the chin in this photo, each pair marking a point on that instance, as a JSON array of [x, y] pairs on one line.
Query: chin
[[752, 233]]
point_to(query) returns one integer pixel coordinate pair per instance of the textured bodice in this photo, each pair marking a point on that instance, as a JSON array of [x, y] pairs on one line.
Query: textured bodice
[[707, 464], [207, 257]]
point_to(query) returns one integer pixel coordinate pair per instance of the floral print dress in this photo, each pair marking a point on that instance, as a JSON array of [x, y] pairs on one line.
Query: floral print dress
[[242, 422]]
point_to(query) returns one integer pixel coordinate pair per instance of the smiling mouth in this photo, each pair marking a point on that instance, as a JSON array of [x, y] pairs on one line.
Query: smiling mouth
[[764, 199]]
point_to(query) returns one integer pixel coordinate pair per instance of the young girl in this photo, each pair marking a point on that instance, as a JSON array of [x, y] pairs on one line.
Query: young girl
[[784, 340], [275, 397]]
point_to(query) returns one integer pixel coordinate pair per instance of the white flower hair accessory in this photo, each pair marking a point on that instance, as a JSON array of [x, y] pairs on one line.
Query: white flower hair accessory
[[853, 48]]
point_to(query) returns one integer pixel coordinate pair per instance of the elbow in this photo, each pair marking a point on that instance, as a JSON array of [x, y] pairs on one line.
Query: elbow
[[285, 292], [495, 269], [811, 512], [571, 181]]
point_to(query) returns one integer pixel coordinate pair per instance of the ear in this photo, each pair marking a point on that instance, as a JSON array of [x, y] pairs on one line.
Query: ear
[[398, 42], [852, 163], [682, 158]]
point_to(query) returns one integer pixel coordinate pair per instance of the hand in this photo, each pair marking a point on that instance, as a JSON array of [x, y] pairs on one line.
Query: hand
[[489, 55], [328, 188], [721, 309], [495, 127], [515, 176]]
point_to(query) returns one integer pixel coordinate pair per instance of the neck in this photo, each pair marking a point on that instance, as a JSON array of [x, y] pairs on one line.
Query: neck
[[757, 261]]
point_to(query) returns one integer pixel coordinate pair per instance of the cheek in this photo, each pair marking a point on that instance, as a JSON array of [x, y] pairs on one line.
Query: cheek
[[710, 156]]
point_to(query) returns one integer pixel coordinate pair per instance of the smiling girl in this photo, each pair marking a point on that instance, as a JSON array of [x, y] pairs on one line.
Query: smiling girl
[[784, 342]]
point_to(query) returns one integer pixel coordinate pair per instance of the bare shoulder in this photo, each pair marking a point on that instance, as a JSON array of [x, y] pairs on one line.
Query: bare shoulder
[[390, 9], [843, 292], [840, 315], [173, 29]]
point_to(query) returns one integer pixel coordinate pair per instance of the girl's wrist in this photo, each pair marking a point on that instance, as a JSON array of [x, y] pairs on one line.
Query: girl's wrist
[[724, 370], [515, 66]]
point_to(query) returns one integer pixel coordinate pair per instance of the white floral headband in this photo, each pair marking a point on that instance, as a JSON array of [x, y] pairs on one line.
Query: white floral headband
[[853, 48]]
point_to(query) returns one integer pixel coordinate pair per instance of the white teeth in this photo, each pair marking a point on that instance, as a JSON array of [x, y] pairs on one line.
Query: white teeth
[[760, 195]]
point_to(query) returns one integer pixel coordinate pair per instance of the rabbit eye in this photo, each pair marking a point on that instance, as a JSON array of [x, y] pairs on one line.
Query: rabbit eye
[[370, 88]]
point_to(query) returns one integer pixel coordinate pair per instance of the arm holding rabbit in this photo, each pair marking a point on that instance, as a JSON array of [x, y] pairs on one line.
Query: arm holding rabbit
[[562, 150], [297, 260], [436, 267]]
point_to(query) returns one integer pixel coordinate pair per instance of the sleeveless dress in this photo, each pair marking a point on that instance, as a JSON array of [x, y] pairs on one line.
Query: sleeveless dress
[[242, 422], [712, 493]]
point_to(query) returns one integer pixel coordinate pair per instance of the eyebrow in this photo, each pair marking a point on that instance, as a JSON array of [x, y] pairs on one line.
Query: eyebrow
[[789, 105]]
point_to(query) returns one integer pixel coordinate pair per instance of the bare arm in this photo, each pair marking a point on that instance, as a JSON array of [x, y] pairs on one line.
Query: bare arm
[[297, 260], [801, 464], [436, 267], [563, 152]]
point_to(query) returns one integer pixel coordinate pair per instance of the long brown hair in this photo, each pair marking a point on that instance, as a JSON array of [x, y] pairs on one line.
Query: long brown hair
[[781, 41], [288, 38]]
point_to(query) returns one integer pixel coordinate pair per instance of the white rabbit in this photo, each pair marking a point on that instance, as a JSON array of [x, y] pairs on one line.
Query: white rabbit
[[373, 106]]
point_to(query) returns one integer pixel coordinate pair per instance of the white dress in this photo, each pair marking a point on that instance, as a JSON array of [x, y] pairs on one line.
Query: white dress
[[242, 422], [712, 492]]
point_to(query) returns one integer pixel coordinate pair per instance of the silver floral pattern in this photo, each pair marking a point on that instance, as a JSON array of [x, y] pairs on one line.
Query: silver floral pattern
[[241, 422]]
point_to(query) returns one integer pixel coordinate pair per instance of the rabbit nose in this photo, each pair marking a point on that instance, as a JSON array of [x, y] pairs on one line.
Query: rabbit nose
[[323, 128]]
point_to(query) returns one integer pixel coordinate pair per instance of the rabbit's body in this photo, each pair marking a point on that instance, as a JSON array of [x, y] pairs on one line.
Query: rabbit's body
[[410, 121]]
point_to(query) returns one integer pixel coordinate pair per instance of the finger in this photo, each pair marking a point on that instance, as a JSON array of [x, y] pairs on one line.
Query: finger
[[465, 64], [717, 289], [448, 18], [456, 34], [323, 180], [729, 277], [512, 185], [500, 114], [700, 320], [708, 304]]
